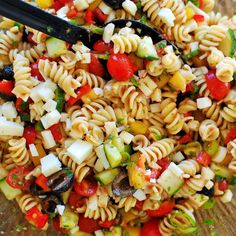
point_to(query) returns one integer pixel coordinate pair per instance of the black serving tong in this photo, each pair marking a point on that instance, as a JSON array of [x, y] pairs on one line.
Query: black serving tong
[[49, 24]]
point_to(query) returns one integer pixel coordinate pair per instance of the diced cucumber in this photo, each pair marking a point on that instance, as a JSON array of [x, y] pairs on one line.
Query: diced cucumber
[[228, 44], [55, 47], [117, 142], [195, 2], [107, 176], [146, 49], [69, 219], [192, 54], [128, 149], [221, 171], [9, 192], [170, 181], [113, 155], [115, 231]]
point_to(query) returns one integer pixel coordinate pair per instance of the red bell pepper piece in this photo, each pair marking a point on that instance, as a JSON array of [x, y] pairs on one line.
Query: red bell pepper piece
[[96, 67], [198, 18], [56, 132], [231, 135], [185, 139], [41, 181], [101, 47], [99, 15], [6, 87], [203, 158], [89, 17], [30, 135]]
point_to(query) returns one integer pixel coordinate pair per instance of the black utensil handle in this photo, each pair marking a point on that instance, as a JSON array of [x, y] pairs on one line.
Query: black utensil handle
[[38, 19]]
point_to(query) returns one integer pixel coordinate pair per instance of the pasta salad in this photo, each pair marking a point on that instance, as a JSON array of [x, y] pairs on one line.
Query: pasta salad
[[123, 137]]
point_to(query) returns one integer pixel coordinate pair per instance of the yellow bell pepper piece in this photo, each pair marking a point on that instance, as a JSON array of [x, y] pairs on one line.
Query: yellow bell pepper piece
[[127, 217], [133, 231], [136, 177], [138, 127], [178, 81], [44, 3], [163, 80], [189, 12]]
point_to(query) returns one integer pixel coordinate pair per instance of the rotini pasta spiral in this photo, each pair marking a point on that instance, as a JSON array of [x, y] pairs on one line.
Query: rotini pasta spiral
[[22, 75], [59, 75], [229, 113], [216, 18], [27, 201], [231, 148], [7, 162], [208, 5], [225, 69], [154, 68], [208, 130], [140, 141], [68, 60], [187, 105], [215, 57], [95, 136], [125, 43], [18, 151], [38, 37], [171, 116], [171, 62], [127, 203], [189, 167]]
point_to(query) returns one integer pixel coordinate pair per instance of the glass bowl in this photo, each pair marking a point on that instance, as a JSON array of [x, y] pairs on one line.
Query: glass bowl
[[218, 221]]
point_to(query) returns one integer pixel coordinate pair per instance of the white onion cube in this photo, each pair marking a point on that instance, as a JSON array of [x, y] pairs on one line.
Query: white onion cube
[[203, 102], [126, 137], [8, 110], [50, 105], [50, 119], [48, 139]]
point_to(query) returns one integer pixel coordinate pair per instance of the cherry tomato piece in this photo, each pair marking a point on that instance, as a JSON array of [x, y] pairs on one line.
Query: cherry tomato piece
[[88, 225], [75, 201], [56, 132], [87, 187], [56, 225], [41, 181], [217, 88], [36, 217], [139, 205], [106, 224], [154, 174], [89, 17], [165, 208], [223, 185], [198, 18], [72, 13], [96, 67], [189, 87], [6, 87], [203, 158], [185, 139], [81, 92], [114, 65], [35, 71], [164, 163], [99, 15], [231, 135], [151, 228], [101, 46], [30, 135], [16, 178]]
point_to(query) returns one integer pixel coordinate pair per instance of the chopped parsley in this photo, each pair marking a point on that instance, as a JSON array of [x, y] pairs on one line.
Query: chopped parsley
[[209, 222], [24, 105], [209, 204], [139, 5], [18, 25], [49, 29], [143, 19], [19, 228], [126, 233], [161, 44], [134, 82], [110, 136], [119, 121]]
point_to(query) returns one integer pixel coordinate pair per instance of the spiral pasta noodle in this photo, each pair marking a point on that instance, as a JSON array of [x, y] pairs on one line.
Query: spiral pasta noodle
[[189, 167], [59, 75], [215, 57], [18, 151], [27, 201], [127, 203], [208, 130], [171, 62], [225, 69], [154, 68], [228, 113]]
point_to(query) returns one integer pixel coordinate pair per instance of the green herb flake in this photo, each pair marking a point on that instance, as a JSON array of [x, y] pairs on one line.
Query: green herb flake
[[66, 226], [119, 121], [209, 204], [139, 5], [52, 215], [134, 82], [209, 222], [24, 105], [39, 126], [126, 233], [49, 29], [18, 25], [19, 228], [25, 117], [219, 178], [143, 19], [233, 181], [110, 136], [161, 44], [32, 227], [195, 89]]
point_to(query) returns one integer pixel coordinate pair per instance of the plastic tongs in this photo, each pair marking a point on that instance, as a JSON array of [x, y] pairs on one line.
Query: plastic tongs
[[54, 26]]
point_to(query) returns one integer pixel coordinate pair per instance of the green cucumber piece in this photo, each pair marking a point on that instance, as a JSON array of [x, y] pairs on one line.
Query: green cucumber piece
[[128, 149], [39, 126], [195, 2], [222, 171], [55, 47], [192, 54], [107, 176], [146, 49], [60, 99], [69, 219], [113, 155], [116, 231], [211, 147], [9, 192], [228, 44], [117, 142]]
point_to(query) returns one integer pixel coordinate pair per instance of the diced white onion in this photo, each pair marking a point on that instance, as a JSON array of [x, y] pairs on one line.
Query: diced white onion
[[50, 105], [8, 110], [10, 128], [203, 102], [81, 4], [227, 197], [104, 8], [207, 173], [178, 157], [140, 195], [50, 119], [220, 155], [48, 139], [167, 16], [126, 137], [102, 156], [33, 150]]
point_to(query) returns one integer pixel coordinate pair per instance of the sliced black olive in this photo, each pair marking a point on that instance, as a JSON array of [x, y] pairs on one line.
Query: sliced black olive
[[120, 185], [61, 181], [207, 192], [37, 190], [7, 73], [114, 4], [50, 203]]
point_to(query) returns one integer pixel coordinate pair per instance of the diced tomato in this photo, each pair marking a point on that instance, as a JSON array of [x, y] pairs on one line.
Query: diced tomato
[[30, 38], [56, 132], [188, 114], [120, 67], [35, 71], [36, 217], [88, 225], [57, 5], [160, 52], [189, 87], [231, 135], [106, 224], [203, 158], [16, 178], [201, 4], [72, 13], [6, 87], [164, 163], [80, 93], [87, 187], [141, 161], [198, 18], [185, 139], [96, 67], [217, 88], [41, 181], [165, 208], [139, 205], [75, 200], [30, 135], [89, 17], [151, 228], [56, 225], [64, 1], [21, 106], [223, 185], [99, 15], [101, 46], [154, 174]]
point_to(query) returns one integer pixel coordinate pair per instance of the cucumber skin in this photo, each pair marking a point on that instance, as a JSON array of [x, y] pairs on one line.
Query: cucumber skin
[[113, 156], [107, 176], [9, 192]]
